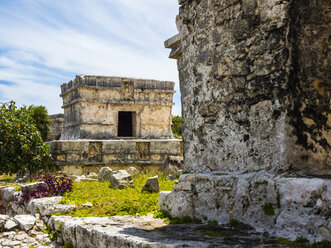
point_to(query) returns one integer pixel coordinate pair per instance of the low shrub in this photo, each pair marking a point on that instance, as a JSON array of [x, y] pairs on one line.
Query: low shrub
[[54, 186]]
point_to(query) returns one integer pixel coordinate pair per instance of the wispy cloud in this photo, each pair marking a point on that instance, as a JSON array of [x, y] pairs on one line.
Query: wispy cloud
[[45, 43]]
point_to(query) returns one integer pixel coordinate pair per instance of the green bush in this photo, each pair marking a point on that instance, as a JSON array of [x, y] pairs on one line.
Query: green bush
[[21, 146], [176, 126], [41, 120]]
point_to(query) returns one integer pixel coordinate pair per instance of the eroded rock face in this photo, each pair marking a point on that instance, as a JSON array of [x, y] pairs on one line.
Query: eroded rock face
[[10, 225], [121, 179], [282, 206], [26, 222], [105, 174], [256, 114], [248, 81]]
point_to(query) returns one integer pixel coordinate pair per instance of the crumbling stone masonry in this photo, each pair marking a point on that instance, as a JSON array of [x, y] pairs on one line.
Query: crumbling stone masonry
[[255, 78], [114, 121], [98, 107], [56, 125]]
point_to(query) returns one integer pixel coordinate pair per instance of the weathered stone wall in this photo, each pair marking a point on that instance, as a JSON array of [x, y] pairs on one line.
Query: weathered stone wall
[[91, 105], [78, 157], [255, 76], [255, 80], [56, 126]]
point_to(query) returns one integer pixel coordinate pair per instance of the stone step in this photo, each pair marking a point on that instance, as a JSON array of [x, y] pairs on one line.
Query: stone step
[[128, 231]]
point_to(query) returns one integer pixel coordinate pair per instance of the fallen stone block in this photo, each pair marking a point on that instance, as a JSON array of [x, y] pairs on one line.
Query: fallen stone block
[[172, 165], [26, 222], [3, 220], [132, 171], [105, 174], [151, 185], [27, 188], [121, 179], [41, 204], [8, 194], [10, 225]]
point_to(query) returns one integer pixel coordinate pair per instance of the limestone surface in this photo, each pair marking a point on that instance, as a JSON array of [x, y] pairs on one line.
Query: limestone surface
[[281, 206], [10, 225], [256, 114], [248, 82], [129, 231], [26, 222]]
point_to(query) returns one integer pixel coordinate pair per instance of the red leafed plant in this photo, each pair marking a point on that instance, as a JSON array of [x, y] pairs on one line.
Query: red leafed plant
[[55, 185]]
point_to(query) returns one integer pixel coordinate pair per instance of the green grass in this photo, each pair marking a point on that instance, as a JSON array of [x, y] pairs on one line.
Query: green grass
[[183, 220], [109, 202], [6, 178]]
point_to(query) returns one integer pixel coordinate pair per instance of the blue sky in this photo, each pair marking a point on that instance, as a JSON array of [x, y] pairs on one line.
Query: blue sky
[[45, 43]]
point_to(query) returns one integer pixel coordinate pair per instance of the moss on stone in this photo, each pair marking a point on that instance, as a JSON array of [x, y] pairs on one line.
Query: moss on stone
[[234, 222], [268, 209]]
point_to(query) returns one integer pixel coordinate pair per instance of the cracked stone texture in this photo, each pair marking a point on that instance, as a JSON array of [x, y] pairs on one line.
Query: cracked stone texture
[[255, 78], [128, 231], [26, 222], [22, 239], [49, 205], [301, 205]]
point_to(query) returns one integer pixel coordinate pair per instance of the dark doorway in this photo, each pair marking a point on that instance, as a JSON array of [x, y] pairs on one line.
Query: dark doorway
[[125, 124]]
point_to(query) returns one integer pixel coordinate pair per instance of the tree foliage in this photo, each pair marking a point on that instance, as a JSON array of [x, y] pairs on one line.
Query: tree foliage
[[176, 126], [41, 120], [21, 146]]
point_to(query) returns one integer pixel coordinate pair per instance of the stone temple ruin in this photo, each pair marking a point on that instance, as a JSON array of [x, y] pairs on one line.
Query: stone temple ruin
[[114, 121], [255, 78]]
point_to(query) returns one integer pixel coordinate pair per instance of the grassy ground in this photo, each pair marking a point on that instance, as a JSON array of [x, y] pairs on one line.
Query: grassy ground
[[109, 202], [6, 178]]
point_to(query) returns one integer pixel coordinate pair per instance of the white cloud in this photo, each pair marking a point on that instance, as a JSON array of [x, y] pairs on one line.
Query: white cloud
[[45, 43]]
